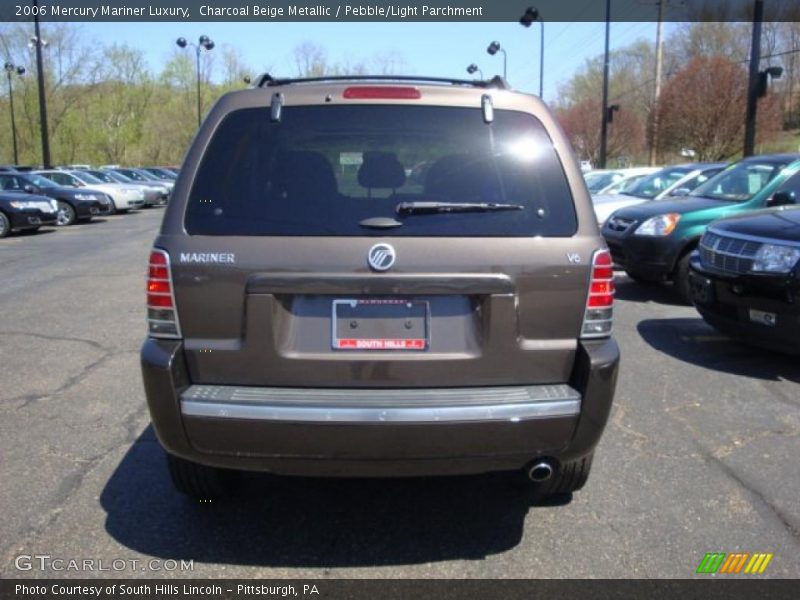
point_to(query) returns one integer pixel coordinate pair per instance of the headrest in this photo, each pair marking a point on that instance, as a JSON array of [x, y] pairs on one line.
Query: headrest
[[381, 170], [306, 173], [463, 177]]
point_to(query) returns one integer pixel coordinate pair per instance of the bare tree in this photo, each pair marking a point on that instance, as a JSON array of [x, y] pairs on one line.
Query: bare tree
[[702, 108], [582, 123]]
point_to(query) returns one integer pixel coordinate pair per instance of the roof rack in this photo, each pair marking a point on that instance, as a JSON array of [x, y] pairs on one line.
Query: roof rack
[[266, 80]]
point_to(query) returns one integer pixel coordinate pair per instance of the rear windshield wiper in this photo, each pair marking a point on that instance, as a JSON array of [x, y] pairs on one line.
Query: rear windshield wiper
[[432, 208]]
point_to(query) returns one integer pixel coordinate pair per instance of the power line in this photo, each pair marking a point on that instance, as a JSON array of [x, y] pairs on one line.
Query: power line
[[773, 55]]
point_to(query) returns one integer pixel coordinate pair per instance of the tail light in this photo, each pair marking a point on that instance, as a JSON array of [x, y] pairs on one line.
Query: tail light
[[381, 92], [600, 302], [162, 316]]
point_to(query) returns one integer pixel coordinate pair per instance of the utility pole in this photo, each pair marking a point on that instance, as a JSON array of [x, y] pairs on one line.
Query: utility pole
[[657, 90], [604, 122], [40, 80], [753, 83]]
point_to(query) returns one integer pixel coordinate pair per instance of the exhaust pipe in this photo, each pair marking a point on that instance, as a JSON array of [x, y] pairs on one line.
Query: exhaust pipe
[[540, 472]]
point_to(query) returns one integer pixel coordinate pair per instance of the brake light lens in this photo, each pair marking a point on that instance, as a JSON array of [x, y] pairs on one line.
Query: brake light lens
[[598, 319], [162, 317], [383, 92]]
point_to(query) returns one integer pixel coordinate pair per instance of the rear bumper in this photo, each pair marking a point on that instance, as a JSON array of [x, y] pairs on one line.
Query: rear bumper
[[388, 432]]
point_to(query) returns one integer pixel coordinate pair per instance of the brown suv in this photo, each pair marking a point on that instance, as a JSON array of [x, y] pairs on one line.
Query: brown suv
[[379, 277]]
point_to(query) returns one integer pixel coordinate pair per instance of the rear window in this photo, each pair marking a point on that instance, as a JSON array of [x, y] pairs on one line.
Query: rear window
[[323, 170]]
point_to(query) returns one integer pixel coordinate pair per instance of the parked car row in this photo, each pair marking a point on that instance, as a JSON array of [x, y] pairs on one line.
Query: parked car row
[[31, 198], [669, 182], [730, 246]]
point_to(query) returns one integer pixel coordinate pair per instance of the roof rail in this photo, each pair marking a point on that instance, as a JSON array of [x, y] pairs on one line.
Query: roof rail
[[266, 80]]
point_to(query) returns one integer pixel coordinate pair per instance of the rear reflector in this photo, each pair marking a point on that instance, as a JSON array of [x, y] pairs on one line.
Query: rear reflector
[[599, 313], [162, 317], [385, 92]]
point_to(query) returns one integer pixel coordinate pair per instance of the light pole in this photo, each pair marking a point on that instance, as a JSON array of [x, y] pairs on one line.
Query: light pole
[[604, 122], [203, 43], [37, 43], [473, 68], [531, 15], [12, 68], [758, 81], [493, 49]]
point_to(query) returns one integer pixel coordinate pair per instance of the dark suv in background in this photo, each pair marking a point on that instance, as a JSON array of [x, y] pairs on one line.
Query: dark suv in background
[[745, 277], [313, 309], [653, 241]]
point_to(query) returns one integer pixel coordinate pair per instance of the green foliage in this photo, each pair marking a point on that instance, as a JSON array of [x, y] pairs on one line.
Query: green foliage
[[105, 106]]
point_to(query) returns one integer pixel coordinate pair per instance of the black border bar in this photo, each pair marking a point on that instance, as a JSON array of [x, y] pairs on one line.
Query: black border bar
[[390, 10]]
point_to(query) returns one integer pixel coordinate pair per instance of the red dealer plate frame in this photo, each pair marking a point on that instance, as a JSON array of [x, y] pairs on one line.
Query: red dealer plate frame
[[404, 324]]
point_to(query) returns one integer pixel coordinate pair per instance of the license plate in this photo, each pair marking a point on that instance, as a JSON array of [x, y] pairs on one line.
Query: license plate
[[380, 324], [763, 318]]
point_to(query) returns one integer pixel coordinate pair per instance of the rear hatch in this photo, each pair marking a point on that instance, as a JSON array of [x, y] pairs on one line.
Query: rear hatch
[[379, 245]]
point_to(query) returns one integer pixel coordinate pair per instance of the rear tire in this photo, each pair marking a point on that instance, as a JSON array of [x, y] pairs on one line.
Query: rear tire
[[572, 476], [569, 477], [199, 481], [66, 214], [5, 225], [681, 279]]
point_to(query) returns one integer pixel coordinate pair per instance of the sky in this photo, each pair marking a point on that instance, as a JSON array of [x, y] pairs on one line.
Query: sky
[[430, 49]]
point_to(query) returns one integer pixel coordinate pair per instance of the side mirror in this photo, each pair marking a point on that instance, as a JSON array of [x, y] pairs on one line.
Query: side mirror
[[681, 192], [29, 188], [782, 199]]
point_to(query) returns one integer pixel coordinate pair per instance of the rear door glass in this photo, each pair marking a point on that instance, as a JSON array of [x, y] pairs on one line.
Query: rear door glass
[[322, 170]]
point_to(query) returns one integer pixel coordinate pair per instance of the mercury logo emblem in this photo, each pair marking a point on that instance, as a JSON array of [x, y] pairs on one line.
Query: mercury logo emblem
[[381, 257]]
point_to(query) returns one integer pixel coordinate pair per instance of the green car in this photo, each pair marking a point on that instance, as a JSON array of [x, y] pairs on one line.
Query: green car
[[652, 241]]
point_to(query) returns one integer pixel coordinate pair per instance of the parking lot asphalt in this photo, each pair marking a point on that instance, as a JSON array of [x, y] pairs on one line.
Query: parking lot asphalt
[[700, 455]]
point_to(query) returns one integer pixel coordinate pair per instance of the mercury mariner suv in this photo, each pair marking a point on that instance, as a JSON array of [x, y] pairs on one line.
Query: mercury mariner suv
[[379, 277]]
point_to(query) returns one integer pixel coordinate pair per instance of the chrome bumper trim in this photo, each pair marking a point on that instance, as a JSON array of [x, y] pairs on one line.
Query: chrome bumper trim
[[513, 403]]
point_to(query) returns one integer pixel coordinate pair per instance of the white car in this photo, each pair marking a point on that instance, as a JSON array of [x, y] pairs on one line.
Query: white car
[[630, 177], [124, 196], [599, 179], [667, 182]]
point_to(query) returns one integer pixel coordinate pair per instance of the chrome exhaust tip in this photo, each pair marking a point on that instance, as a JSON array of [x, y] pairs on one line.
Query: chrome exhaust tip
[[540, 472]]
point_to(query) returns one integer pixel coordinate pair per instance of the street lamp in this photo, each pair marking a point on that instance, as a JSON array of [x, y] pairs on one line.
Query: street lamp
[[765, 76], [12, 68], [604, 116], [493, 49], [203, 43], [38, 43], [473, 68], [531, 15]]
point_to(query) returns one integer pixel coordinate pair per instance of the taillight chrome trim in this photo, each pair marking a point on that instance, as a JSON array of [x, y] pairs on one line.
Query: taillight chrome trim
[[174, 308], [597, 309]]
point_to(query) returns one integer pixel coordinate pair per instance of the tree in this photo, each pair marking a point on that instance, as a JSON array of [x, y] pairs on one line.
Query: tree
[[702, 108], [311, 60], [582, 124]]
